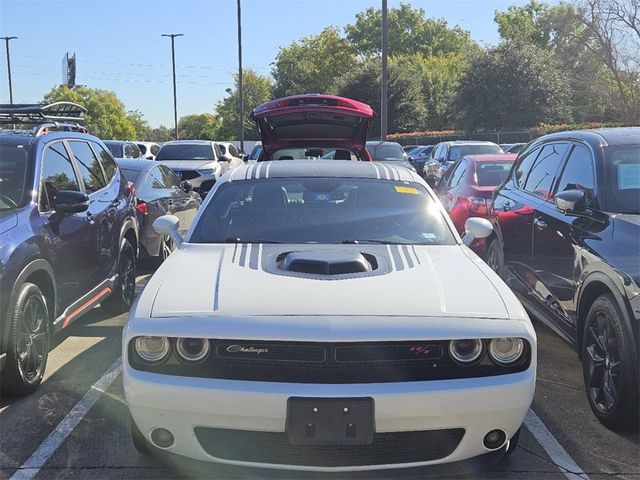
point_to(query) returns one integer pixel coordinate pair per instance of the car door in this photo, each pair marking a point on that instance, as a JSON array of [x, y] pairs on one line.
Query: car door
[[557, 240], [100, 225], [514, 207], [67, 237], [184, 205], [455, 204]]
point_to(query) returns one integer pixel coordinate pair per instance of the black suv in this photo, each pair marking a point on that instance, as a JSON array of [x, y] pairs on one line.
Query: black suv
[[567, 241], [68, 235]]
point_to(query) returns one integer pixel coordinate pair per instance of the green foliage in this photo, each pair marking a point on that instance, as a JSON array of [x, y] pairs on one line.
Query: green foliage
[[203, 126], [160, 134], [257, 89], [409, 32], [513, 85], [140, 125], [406, 110], [527, 23], [106, 116], [312, 64]]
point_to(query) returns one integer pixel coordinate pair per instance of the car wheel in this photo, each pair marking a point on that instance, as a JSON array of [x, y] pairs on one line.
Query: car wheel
[[166, 247], [495, 257], [121, 298], [28, 347], [138, 439], [610, 375]]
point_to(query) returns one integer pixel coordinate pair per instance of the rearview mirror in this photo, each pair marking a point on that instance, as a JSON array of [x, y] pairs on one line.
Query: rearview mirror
[[476, 227], [168, 225], [70, 201], [571, 201]]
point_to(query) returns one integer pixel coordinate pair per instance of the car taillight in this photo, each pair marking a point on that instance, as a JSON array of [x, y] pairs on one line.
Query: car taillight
[[142, 208], [479, 206]]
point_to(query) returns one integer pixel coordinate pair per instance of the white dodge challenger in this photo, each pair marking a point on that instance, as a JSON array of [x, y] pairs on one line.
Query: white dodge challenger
[[323, 315]]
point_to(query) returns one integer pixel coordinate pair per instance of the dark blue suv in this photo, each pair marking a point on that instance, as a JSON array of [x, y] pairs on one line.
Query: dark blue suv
[[68, 236]]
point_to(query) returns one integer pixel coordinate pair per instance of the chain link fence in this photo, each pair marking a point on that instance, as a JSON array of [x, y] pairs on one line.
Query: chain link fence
[[496, 137]]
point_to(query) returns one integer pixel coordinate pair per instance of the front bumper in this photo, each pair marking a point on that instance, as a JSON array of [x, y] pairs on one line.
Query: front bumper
[[181, 404]]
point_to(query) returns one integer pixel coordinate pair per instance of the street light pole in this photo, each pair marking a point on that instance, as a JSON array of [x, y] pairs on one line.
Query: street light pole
[[173, 63], [6, 40], [383, 86], [241, 113]]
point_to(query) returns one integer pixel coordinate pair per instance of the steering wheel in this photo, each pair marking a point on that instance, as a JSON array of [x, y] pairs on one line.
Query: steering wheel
[[8, 200]]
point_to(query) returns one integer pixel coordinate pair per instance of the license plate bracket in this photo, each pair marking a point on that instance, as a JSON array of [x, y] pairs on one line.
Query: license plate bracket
[[330, 421]]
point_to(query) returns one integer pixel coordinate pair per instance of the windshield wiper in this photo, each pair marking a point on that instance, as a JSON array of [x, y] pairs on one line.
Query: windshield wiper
[[383, 242], [240, 240]]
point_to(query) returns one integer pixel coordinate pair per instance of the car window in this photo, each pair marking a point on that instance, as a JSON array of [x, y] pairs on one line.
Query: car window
[[155, 180], [108, 165], [578, 171], [234, 151], [386, 152], [542, 173], [57, 174], [169, 179], [187, 151], [115, 149], [88, 166], [217, 149], [456, 176], [143, 148], [524, 164], [459, 151], [323, 210], [154, 149], [222, 148], [131, 175], [491, 174], [623, 179], [131, 150], [15, 160]]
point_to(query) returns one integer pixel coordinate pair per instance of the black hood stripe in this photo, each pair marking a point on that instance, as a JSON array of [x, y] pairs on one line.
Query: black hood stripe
[[397, 258], [243, 255], [405, 249], [253, 262]]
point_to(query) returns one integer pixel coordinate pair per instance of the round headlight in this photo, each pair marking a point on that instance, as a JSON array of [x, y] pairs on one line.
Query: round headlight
[[152, 349], [505, 351], [466, 351], [192, 349]]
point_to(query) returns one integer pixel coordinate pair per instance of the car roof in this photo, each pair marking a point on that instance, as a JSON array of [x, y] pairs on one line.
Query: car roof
[[189, 142], [26, 136], [380, 143], [498, 157], [135, 164], [599, 136], [470, 142], [117, 142], [322, 168]]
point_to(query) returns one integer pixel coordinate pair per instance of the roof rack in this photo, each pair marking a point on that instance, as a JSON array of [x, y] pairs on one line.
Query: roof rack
[[39, 113]]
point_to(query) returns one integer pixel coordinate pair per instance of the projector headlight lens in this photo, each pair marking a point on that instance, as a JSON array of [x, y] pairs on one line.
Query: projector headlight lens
[[152, 349], [192, 349], [466, 352], [505, 351]]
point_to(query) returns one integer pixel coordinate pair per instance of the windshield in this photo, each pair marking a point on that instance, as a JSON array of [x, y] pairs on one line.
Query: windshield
[[255, 153], [491, 174], [623, 179], [460, 151], [14, 160], [322, 210], [185, 152], [386, 152], [115, 149]]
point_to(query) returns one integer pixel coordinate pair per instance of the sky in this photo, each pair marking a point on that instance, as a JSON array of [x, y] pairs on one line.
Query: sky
[[119, 47]]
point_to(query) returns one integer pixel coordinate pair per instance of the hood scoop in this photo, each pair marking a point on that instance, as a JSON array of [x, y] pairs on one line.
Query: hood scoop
[[327, 263]]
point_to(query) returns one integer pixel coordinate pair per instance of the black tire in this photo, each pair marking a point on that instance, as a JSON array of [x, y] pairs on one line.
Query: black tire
[[138, 439], [494, 257], [123, 294], [29, 341], [513, 443], [610, 373]]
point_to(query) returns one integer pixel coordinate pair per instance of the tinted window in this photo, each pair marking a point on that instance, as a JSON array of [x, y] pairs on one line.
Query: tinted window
[[154, 149], [388, 152], [169, 179], [222, 148], [14, 160], [108, 165], [88, 166], [57, 174], [492, 174], [115, 149], [457, 175], [543, 170], [578, 172], [185, 152], [255, 153], [143, 148], [623, 179], [131, 151], [154, 180], [459, 151], [131, 175], [524, 164], [234, 151], [322, 210]]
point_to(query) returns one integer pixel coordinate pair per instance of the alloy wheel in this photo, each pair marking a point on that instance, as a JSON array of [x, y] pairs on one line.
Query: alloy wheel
[[32, 340], [128, 274], [603, 363]]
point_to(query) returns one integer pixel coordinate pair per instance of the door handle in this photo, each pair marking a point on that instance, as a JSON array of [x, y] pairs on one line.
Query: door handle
[[540, 223], [90, 217]]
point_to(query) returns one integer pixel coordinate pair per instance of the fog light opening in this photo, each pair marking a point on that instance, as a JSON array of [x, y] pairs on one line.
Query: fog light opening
[[494, 439], [162, 437]]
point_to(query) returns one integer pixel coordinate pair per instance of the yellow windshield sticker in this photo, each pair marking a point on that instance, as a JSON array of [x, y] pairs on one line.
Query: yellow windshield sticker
[[411, 190]]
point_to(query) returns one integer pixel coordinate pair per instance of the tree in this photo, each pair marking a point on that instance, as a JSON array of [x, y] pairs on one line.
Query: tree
[[106, 116], [203, 126], [409, 32], [312, 64], [528, 23], [160, 134], [140, 125], [513, 85], [406, 110], [257, 90]]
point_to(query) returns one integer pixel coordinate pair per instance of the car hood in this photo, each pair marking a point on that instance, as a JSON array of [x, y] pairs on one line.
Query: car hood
[[304, 121], [244, 280], [8, 220], [189, 164], [399, 163]]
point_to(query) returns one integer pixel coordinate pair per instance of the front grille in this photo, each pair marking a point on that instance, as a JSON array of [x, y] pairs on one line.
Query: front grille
[[187, 174], [339, 363], [274, 447]]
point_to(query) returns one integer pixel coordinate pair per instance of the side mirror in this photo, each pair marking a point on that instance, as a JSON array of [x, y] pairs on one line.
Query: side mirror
[[571, 201], [168, 225], [476, 227], [186, 185], [69, 201], [224, 158]]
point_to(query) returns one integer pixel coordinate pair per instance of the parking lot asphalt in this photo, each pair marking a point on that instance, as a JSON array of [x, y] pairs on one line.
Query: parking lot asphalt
[[76, 425]]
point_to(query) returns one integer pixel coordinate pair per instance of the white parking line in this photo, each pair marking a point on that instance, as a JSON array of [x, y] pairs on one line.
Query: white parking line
[[556, 452], [34, 463]]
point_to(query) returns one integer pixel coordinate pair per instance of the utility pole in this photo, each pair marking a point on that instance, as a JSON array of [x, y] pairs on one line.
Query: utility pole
[[6, 40], [173, 63], [241, 113], [383, 86]]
